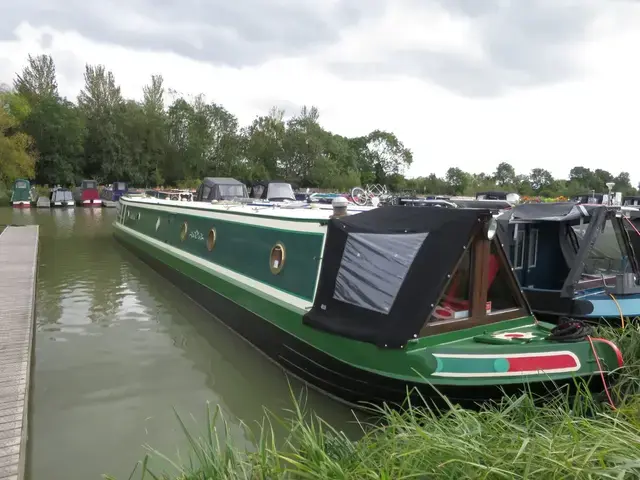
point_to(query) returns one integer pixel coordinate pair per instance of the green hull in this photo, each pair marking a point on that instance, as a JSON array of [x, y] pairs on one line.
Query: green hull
[[234, 281]]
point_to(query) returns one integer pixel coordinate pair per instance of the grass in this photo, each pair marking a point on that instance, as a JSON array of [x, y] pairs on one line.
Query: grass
[[566, 438]]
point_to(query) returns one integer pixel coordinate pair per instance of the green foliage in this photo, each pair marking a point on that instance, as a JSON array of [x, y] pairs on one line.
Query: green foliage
[[107, 137], [16, 159]]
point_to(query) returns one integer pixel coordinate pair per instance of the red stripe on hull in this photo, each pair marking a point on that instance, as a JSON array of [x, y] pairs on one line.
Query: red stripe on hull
[[21, 205], [527, 364]]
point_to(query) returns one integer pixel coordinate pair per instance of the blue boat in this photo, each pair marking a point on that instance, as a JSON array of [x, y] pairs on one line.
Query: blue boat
[[574, 260], [113, 192]]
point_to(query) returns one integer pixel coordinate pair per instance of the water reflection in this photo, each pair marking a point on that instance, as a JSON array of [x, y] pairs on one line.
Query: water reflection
[[117, 347]]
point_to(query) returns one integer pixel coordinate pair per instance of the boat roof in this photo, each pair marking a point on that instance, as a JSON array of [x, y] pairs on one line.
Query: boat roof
[[221, 181], [548, 212], [295, 211]]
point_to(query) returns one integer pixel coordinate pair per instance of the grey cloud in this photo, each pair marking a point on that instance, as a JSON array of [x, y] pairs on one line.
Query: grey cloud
[[525, 42], [236, 33]]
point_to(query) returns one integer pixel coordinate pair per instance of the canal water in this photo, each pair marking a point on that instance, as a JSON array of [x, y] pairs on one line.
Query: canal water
[[117, 348]]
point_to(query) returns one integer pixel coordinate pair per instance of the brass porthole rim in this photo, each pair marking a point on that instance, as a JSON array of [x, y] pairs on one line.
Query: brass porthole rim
[[211, 242], [183, 231], [278, 269]]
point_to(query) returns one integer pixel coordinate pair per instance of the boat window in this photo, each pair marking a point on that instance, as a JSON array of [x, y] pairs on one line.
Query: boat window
[[605, 259], [277, 258], [232, 191], [500, 294], [518, 249], [455, 303], [89, 184], [206, 191], [21, 184], [157, 224], [280, 191], [256, 191], [373, 267], [211, 239], [533, 248], [183, 231], [120, 186]]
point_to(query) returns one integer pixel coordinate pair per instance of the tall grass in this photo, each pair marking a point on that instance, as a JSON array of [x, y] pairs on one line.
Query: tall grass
[[567, 437]]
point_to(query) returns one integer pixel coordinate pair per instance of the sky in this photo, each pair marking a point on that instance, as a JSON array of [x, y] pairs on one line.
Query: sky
[[462, 83]]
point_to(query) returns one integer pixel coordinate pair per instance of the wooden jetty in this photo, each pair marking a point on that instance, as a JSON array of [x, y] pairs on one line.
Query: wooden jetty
[[18, 267]]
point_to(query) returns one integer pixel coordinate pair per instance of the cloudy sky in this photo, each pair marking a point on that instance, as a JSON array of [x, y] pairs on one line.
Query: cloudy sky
[[467, 83]]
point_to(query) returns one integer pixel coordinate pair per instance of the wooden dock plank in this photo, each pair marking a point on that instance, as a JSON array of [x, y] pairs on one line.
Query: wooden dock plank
[[18, 268]]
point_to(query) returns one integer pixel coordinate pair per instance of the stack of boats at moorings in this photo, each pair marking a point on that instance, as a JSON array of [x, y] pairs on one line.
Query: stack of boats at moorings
[[576, 260], [367, 305]]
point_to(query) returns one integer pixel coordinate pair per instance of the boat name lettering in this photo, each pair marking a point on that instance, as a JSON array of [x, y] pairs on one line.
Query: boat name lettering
[[196, 235]]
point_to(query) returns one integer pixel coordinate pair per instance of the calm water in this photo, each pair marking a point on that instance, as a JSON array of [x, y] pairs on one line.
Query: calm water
[[117, 347]]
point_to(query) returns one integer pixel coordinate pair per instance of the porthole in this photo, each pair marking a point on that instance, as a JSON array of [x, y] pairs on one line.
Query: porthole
[[211, 239], [138, 216], [158, 224], [277, 258], [183, 231]]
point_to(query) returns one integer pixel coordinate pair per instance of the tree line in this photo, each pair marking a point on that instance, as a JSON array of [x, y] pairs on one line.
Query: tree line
[[104, 136]]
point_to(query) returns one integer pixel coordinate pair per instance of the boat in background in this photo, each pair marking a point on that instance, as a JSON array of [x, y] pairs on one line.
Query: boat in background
[[173, 194], [61, 197], [272, 191], [21, 195], [575, 260], [87, 195], [368, 306], [216, 189], [111, 195]]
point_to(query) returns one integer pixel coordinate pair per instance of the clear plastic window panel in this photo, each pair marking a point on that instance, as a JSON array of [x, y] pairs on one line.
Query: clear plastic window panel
[[373, 268]]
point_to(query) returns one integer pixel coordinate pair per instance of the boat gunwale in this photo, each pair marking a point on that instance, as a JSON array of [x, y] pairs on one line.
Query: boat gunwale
[[248, 212]]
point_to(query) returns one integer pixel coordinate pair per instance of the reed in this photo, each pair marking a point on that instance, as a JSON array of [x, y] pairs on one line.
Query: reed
[[517, 438]]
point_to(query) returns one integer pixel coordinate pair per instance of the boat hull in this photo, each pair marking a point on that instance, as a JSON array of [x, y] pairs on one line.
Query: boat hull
[[21, 204], [96, 202], [331, 375], [593, 307]]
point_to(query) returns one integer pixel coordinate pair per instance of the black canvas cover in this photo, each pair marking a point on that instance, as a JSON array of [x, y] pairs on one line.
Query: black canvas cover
[[490, 204], [548, 212], [384, 270], [221, 188]]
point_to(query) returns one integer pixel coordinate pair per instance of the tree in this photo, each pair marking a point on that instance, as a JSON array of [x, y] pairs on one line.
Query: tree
[[505, 174], [38, 79], [15, 146], [58, 130], [457, 180], [539, 178], [103, 107]]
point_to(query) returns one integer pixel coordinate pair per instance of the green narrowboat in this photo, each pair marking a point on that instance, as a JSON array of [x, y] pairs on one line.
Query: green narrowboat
[[369, 306], [21, 194]]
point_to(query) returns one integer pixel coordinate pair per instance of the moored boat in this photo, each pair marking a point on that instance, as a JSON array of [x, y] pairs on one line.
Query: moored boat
[[272, 191], [365, 307], [111, 194], [574, 260], [61, 197], [87, 195], [21, 196]]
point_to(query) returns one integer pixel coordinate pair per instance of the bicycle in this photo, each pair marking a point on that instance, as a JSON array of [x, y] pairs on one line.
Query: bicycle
[[363, 196]]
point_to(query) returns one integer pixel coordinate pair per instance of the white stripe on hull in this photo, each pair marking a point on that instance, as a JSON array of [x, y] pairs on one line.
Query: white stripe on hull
[[262, 221], [262, 289]]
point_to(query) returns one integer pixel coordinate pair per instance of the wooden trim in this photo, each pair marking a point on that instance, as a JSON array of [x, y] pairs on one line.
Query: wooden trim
[[479, 277], [479, 285], [469, 322]]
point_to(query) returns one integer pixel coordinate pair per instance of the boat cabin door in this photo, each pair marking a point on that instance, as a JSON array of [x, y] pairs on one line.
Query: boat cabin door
[[524, 253]]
